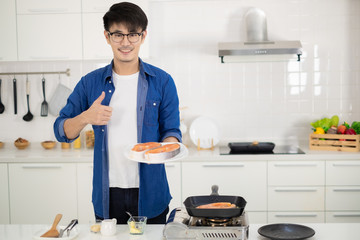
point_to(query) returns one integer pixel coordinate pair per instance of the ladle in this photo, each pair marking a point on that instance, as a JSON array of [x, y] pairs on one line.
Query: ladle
[[28, 116], [2, 107]]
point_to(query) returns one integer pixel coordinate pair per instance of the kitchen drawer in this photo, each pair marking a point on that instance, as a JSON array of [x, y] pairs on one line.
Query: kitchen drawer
[[245, 179], [296, 198], [49, 6], [84, 176], [257, 217], [39, 191], [296, 217], [295, 173], [342, 217], [4, 196], [173, 173], [343, 198], [343, 173]]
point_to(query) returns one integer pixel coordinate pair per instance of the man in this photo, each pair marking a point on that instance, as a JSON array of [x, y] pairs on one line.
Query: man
[[126, 102]]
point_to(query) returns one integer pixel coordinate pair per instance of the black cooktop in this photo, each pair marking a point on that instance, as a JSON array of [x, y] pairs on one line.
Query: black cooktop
[[279, 149]]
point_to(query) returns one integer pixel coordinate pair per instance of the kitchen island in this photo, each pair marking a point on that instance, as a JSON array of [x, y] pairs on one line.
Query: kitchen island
[[328, 231]]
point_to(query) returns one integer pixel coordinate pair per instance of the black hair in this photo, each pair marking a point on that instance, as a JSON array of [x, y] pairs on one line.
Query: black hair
[[129, 14]]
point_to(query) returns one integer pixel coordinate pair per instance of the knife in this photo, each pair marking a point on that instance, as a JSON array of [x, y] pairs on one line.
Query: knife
[[68, 228], [15, 95]]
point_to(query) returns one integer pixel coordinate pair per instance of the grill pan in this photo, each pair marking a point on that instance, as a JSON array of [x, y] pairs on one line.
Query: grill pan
[[192, 202], [251, 147]]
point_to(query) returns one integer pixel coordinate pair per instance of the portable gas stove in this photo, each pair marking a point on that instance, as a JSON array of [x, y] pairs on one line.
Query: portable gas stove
[[181, 225]]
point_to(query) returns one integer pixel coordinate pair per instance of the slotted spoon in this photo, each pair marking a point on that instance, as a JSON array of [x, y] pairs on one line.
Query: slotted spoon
[[44, 104]]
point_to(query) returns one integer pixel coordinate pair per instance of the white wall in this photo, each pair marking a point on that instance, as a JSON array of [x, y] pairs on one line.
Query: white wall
[[249, 101]]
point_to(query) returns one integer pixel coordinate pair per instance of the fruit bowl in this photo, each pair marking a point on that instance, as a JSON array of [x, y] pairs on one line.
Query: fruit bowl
[[21, 143], [48, 144]]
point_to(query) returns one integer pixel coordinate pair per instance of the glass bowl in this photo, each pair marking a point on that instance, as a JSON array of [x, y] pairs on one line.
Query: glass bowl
[[137, 225]]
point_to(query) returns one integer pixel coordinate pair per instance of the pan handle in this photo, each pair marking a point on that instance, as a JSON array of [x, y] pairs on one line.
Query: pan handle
[[214, 190]]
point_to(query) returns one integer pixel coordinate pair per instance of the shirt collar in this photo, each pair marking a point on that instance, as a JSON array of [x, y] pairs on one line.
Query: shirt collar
[[144, 68]]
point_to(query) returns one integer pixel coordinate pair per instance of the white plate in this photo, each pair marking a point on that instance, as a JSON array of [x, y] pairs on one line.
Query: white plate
[[73, 233], [204, 129], [182, 154]]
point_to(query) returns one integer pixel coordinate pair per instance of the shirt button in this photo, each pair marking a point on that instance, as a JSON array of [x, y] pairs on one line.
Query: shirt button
[[109, 91], [154, 104], [102, 130], [109, 81]]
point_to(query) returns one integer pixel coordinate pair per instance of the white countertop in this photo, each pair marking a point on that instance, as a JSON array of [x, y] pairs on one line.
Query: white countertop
[[323, 231], [36, 153]]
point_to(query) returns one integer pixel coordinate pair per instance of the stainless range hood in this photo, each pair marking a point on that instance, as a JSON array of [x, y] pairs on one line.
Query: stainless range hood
[[258, 48]]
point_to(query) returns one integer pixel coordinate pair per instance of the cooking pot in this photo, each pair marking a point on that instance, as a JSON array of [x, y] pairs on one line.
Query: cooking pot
[[251, 147]]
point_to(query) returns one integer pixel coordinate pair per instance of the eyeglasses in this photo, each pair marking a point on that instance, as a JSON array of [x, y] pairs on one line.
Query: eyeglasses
[[118, 37]]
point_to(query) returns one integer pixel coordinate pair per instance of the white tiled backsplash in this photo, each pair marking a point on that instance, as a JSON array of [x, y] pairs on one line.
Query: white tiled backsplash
[[249, 101]]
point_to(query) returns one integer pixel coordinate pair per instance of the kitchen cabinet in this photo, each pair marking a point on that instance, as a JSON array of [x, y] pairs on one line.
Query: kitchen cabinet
[[94, 42], [84, 193], [296, 191], [8, 46], [4, 196], [342, 191], [39, 191], [49, 6], [173, 173], [246, 179], [49, 37]]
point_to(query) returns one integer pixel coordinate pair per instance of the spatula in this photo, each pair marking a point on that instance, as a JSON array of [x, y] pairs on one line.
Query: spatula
[[53, 232], [44, 104]]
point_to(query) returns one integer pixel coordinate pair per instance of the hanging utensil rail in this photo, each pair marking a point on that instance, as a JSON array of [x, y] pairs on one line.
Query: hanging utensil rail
[[67, 72]]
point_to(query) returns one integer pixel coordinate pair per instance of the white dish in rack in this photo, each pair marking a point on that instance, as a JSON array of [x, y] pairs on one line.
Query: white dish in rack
[[204, 132]]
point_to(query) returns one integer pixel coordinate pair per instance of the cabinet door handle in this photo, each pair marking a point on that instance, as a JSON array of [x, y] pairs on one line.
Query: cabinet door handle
[[296, 215], [49, 57], [346, 190], [295, 165], [346, 164], [52, 10], [170, 165], [346, 215], [295, 190], [223, 165], [40, 166]]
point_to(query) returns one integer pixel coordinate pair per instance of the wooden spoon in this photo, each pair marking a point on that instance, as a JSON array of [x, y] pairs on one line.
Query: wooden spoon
[[53, 232]]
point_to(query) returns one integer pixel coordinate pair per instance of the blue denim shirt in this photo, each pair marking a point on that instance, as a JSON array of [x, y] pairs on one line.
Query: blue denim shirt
[[157, 118]]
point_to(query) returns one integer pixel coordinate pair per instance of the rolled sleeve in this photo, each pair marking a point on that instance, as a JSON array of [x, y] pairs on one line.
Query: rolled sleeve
[[169, 119]]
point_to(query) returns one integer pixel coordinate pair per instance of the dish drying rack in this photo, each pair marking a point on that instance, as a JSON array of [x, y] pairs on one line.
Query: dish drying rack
[[200, 148]]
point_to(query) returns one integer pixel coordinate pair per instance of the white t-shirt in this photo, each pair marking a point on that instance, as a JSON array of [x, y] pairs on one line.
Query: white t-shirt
[[122, 131]]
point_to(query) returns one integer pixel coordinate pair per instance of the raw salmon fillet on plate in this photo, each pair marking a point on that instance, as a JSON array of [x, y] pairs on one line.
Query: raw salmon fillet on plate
[[137, 152], [164, 152]]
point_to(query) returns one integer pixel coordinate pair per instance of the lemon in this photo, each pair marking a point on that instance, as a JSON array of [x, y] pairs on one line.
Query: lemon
[[319, 130]]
